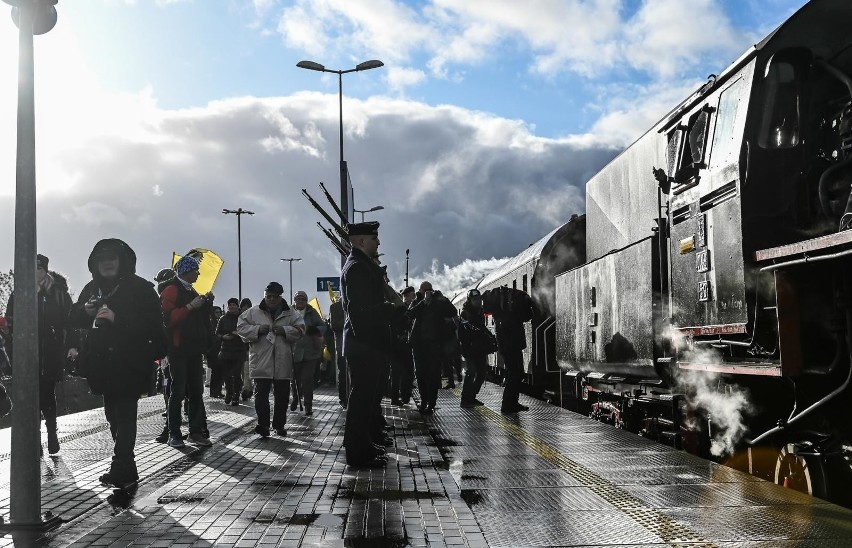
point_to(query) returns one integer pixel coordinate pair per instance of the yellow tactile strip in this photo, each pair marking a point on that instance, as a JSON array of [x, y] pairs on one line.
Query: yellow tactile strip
[[652, 520]]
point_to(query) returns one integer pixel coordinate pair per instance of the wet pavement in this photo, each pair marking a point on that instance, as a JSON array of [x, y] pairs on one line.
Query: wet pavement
[[461, 477]]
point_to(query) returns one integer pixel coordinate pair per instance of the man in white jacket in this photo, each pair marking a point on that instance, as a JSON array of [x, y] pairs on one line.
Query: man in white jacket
[[271, 328]]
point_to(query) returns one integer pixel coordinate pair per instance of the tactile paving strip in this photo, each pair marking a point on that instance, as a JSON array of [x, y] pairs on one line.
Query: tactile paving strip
[[659, 525]]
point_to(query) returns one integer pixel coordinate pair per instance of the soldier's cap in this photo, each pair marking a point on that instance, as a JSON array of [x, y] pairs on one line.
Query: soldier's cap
[[370, 228], [275, 287], [473, 293], [42, 262]]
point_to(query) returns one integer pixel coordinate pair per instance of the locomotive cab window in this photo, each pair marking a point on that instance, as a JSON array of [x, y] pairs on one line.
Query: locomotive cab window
[[782, 99], [687, 149]]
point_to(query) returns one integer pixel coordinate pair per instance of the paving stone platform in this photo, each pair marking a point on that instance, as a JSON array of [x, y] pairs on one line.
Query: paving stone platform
[[461, 477]]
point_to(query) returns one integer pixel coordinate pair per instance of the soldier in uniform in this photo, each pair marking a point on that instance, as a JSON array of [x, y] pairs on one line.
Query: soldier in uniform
[[366, 341]]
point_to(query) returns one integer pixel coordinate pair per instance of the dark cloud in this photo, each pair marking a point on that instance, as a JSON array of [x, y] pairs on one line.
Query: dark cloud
[[455, 185]]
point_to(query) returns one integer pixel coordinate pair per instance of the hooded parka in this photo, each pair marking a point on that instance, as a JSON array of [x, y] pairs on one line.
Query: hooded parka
[[119, 358], [270, 360]]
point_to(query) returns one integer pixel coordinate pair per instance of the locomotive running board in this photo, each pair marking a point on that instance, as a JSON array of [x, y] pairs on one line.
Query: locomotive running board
[[840, 239], [761, 369]]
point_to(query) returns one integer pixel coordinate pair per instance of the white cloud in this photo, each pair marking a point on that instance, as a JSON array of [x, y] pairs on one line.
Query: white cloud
[[587, 37], [400, 78], [455, 185], [666, 35]]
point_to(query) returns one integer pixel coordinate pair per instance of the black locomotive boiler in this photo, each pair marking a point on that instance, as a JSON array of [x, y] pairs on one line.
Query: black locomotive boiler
[[705, 297]]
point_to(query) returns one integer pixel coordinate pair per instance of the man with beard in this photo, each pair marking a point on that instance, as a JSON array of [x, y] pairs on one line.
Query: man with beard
[[126, 336], [366, 341]]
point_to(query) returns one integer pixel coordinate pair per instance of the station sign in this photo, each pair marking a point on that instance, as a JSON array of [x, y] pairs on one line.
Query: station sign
[[322, 283]]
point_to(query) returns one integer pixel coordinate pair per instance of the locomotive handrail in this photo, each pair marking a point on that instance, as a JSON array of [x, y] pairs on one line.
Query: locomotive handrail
[[807, 259], [535, 340], [546, 357], [807, 411]]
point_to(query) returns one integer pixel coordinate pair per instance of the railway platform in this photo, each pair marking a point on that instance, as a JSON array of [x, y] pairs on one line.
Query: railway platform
[[461, 477]]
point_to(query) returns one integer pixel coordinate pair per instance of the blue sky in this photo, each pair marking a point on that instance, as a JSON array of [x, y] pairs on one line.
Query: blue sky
[[477, 136]]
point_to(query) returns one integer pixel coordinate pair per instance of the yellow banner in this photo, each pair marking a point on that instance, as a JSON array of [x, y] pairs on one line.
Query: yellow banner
[[314, 303], [209, 266], [331, 294]]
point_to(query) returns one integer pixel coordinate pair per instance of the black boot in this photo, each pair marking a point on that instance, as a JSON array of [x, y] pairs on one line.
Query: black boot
[[52, 436]]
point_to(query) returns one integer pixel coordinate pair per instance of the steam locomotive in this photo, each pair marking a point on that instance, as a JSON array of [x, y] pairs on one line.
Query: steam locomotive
[[705, 297]]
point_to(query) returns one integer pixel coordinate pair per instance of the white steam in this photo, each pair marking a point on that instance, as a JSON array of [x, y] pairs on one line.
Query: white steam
[[724, 406], [451, 280]]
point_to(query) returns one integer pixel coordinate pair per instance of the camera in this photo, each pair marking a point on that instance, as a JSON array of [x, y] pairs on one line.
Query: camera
[[97, 303]]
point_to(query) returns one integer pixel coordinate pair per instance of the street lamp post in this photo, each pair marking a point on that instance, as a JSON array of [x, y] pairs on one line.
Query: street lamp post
[[406, 268], [366, 65], [32, 17], [290, 260], [239, 213], [362, 211]]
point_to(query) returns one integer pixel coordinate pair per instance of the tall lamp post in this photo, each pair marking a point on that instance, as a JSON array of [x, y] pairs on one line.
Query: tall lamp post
[[33, 17], [239, 213], [366, 65], [290, 260], [362, 211], [406, 268]]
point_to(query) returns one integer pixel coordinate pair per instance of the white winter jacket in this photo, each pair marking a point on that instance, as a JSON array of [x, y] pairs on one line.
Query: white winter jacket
[[268, 360]]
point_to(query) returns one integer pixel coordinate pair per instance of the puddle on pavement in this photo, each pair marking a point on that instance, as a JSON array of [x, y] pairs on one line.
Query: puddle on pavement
[[375, 543], [471, 497], [388, 495], [326, 521]]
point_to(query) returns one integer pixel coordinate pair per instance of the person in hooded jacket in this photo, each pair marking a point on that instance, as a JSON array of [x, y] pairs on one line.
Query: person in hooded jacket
[[271, 328], [125, 337], [307, 351], [54, 304]]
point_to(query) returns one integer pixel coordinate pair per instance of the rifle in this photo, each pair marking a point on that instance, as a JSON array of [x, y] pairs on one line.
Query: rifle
[[338, 245], [336, 226], [342, 244], [332, 202]]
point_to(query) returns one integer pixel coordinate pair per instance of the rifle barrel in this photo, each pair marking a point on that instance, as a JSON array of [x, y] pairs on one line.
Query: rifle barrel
[[333, 203]]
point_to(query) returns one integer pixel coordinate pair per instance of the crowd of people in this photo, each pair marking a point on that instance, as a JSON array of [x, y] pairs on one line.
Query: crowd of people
[[129, 337]]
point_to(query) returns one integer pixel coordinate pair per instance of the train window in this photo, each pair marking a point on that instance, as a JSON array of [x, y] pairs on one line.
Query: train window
[[514, 284], [524, 283], [782, 99], [726, 145], [687, 149]]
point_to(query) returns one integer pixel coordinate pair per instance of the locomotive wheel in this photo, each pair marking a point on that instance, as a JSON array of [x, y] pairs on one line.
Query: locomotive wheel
[[804, 473]]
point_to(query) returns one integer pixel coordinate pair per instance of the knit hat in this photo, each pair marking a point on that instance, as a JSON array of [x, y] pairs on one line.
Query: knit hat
[[185, 265], [275, 287], [300, 294], [42, 262]]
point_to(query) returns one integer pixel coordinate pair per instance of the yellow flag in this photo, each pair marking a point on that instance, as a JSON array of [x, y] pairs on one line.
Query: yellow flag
[[314, 303], [209, 266]]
